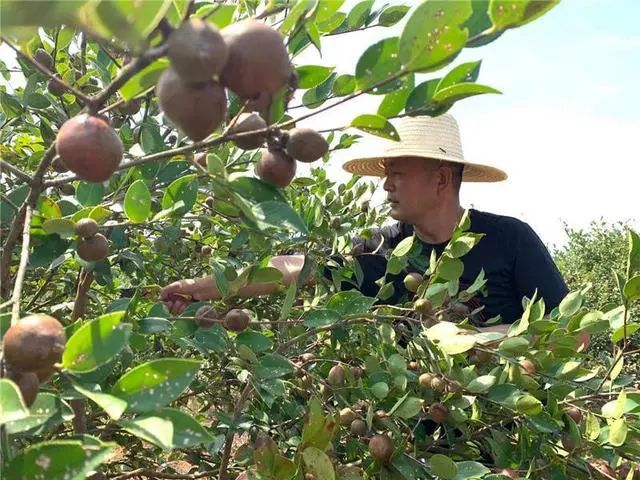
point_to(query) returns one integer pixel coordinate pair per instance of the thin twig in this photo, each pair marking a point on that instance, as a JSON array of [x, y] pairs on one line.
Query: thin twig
[[145, 472], [15, 170], [84, 99], [24, 257], [244, 396]]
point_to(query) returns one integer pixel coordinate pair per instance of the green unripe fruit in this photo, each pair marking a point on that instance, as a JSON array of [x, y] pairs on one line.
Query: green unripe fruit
[[412, 281], [423, 306]]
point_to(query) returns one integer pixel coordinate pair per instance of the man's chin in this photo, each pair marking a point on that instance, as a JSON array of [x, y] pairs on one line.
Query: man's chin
[[396, 213]]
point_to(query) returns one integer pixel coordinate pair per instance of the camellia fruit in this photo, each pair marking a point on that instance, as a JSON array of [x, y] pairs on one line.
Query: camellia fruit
[[86, 227], [412, 281], [93, 249], [236, 320], [89, 147], [276, 168], [335, 378], [381, 448], [206, 316], [306, 145], [249, 122]]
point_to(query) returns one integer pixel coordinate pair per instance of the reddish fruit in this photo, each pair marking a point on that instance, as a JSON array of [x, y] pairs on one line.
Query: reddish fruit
[[43, 58], [86, 227], [528, 366], [509, 473], [357, 372], [45, 374], [89, 147], [236, 320], [575, 414], [93, 249], [335, 378], [438, 384], [196, 109], [249, 122], [197, 51], [306, 145], [438, 412], [381, 448], [276, 168], [568, 443], [55, 87], [130, 107], [206, 316], [358, 427], [413, 365], [258, 60], [33, 343], [27, 383]]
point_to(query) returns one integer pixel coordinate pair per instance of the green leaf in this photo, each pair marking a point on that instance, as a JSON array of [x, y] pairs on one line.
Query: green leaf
[[571, 304], [47, 411], [12, 406], [359, 14], [222, 14], [10, 105], [298, 12], [114, 406], [450, 268], [465, 72], [58, 459], [61, 226], [37, 13], [615, 408], [514, 346], [321, 317], [256, 191], [379, 62], [633, 259], [618, 432], [441, 331], [310, 76], [443, 466], [183, 189], [153, 429], [144, 80], [155, 383], [420, 100], [375, 125], [272, 366], [407, 407], [392, 15], [317, 430], [137, 202], [432, 35], [459, 91], [479, 25], [350, 303], [318, 463], [481, 384], [48, 208], [457, 344], [404, 247], [344, 85], [96, 343], [187, 431], [468, 470], [89, 194], [278, 215], [506, 14], [632, 289], [463, 244], [529, 405], [314, 97], [257, 342]]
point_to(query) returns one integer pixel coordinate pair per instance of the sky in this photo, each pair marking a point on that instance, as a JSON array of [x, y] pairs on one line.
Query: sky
[[566, 128]]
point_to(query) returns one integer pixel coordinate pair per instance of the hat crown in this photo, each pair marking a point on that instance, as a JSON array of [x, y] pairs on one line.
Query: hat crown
[[437, 137]]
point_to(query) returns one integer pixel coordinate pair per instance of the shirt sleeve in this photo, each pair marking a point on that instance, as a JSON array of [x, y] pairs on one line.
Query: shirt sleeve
[[535, 269]]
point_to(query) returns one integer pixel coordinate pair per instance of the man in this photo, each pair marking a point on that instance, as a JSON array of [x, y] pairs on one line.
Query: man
[[423, 173]]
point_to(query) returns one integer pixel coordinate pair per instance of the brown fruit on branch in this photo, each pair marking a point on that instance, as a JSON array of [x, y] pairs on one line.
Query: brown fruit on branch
[[236, 320], [347, 416], [45, 374], [206, 316], [196, 109], [438, 412], [575, 414], [358, 427], [480, 357], [412, 281], [86, 227], [381, 448], [258, 61], [307, 357], [248, 122], [438, 384], [58, 166], [528, 366], [206, 251], [89, 147], [423, 306], [306, 145], [335, 378], [276, 168], [568, 443], [425, 380], [412, 365], [55, 87], [33, 343], [93, 249], [197, 51], [28, 384], [130, 107], [356, 371], [43, 58]]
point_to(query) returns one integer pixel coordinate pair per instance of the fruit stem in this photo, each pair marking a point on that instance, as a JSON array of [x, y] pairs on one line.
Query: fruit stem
[[24, 257]]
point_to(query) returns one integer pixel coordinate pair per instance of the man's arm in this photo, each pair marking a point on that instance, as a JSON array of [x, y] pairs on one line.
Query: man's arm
[[178, 294]]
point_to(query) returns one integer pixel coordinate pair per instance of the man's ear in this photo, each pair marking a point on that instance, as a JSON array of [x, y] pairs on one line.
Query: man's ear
[[445, 178]]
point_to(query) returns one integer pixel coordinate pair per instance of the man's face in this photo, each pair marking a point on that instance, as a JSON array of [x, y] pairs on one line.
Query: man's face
[[411, 186]]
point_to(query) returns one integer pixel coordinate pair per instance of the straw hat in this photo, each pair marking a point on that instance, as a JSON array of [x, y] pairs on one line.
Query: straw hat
[[428, 137]]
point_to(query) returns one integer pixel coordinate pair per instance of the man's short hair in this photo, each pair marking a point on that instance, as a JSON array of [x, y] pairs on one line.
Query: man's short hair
[[457, 169]]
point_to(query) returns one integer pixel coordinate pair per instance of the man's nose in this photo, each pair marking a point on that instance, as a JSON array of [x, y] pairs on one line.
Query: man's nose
[[387, 185]]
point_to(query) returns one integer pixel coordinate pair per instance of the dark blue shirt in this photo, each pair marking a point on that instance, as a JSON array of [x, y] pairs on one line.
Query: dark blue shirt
[[513, 257]]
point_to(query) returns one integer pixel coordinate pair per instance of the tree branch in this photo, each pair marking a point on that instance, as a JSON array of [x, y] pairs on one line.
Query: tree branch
[[24, 257], [244, 396], [145, 472], [15, 170]]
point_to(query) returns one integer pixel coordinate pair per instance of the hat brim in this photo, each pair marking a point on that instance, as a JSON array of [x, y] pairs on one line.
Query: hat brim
[[473, 172]]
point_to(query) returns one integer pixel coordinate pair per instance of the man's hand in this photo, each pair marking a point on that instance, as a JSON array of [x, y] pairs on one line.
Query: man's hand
[[178, 295]]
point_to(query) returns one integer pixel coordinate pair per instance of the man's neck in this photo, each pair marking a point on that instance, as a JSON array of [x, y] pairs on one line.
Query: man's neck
[[438, 226]]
